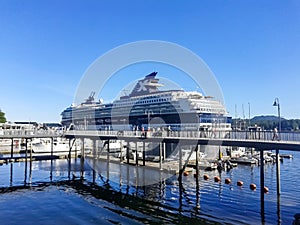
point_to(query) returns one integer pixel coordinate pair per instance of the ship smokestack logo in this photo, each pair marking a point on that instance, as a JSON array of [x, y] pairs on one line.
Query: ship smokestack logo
[[142, 84]]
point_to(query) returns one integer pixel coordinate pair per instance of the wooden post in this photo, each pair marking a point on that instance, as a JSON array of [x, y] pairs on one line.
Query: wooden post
[[31, 151], [82, 160], [94, 148], [51, 148], [278, 171], [164, 146], [30, 165], [76, 155], [25, 175], [262, 185], [108, 161], [136, 154], [121, 151], [11, 174], [127, 152], [197, 160], [180, 164], [12, 148], [144, 154], [94, 159], [160, 155], [197, 178], [70, 148]]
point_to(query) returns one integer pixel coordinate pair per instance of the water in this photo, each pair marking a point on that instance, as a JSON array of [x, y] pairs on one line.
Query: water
[[60, 192]]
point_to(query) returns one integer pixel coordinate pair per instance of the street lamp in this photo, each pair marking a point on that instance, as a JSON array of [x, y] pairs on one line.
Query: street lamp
[[276, 103], [148, 112]]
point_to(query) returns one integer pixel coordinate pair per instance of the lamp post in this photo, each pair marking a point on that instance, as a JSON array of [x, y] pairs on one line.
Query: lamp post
[[276, 103], [148, 112]]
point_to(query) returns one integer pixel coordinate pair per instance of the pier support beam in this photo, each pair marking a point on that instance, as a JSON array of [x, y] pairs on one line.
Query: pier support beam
[[26, 149], [278, 171], [127, 152], [51, 148], [94, 152], [197, 179], [165, 149], [70, 148], [262, 185], [82, 160], [197, 159], [160, 155], [144, 154], [30, 163], [108, 161], [136, 154], [12, 148], [180, 164]]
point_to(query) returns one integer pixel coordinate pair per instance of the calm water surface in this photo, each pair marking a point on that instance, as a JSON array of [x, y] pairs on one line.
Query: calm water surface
[[60, 192]]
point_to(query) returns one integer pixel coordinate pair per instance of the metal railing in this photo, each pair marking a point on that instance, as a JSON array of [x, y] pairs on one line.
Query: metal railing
[[220, 134], [232, 135], [30, 133]]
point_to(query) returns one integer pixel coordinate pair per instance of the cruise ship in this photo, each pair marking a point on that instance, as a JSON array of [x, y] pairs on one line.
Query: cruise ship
[[148, 107]]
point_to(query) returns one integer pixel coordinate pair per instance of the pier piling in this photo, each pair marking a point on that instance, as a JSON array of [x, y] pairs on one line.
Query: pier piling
[[278, 171], [12, 148], [262, 185]]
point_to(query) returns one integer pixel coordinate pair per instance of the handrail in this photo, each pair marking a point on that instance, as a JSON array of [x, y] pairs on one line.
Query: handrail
[[290, 136], [225, 134]]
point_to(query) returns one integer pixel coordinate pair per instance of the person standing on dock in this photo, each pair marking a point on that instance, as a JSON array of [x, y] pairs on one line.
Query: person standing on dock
[[275, 134]]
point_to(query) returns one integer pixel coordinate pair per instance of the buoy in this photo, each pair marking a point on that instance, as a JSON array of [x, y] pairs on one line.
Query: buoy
[[266, 189], [185, 173], [217, 179], [227, 181], [206, 177], [252, 186], [195, 175], [240, 183]]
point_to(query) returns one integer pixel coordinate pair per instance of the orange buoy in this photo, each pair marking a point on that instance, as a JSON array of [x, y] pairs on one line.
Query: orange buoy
[[252, 186], [227, 181], [266, 189], [206, 177], [185, 173], [240, 183], [217, 179]]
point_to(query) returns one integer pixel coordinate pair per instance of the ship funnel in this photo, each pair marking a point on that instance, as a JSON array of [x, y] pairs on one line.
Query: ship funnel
[[146, 86]]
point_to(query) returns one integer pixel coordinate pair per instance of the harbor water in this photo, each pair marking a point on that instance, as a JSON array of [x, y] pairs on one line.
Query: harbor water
[[64, 192]]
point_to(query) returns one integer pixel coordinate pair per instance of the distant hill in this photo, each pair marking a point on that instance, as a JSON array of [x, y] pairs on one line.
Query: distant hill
[[267, 123], [265, 118]]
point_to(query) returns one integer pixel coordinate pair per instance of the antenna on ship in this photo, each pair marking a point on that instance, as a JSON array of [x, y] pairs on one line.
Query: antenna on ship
[[90, 99], [125, 91]]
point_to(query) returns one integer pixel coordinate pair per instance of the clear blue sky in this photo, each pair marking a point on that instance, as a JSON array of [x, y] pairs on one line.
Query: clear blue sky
[[253, 48]]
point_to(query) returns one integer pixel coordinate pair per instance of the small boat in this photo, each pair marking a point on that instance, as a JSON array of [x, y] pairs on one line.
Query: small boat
[[60, 146], [206, 165], [286, 156], [244, 160]]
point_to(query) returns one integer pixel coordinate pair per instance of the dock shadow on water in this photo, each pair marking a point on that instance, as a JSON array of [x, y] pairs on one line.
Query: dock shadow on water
[[64, 193], [70, 192]]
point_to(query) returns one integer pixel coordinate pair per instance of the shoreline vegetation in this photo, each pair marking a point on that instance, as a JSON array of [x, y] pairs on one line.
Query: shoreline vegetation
[[266, 123]]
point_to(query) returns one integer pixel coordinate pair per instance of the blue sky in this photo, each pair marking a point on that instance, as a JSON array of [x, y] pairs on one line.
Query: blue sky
[[252, 47]]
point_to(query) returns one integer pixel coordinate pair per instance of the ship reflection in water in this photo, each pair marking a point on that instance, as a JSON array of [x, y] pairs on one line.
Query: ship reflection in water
[[64, 192]]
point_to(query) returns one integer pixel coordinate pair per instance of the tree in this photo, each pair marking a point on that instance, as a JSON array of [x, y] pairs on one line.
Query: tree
[[2, 117]]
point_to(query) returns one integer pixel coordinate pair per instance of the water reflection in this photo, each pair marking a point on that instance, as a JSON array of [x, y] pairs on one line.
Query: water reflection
[[191, 197]]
